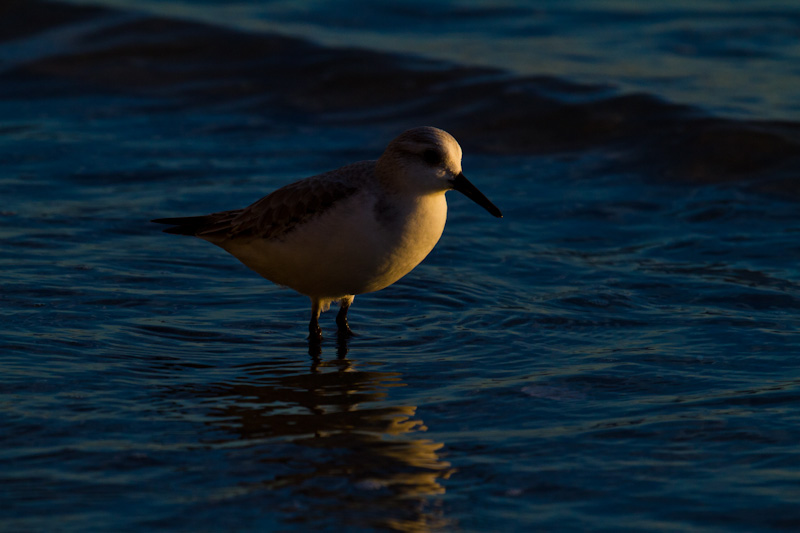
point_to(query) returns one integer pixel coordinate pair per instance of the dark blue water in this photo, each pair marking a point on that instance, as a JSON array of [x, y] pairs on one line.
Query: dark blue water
[[619, 353]]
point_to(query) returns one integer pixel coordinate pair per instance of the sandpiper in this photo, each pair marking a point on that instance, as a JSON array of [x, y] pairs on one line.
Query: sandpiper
[[352, 230]]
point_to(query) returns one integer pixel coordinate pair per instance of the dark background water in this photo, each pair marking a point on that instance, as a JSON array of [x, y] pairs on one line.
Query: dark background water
[[620, 352]]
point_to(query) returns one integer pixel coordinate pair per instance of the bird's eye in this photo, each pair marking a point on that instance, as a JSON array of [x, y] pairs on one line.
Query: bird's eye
[[432, 157]]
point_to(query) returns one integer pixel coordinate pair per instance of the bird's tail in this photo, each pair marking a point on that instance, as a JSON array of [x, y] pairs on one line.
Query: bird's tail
[[186, 225]]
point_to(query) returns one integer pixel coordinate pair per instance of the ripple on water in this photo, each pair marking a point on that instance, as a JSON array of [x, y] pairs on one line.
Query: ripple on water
[[624, 337]]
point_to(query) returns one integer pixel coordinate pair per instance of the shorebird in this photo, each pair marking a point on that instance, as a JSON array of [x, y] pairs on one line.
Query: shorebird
[[353, 230]]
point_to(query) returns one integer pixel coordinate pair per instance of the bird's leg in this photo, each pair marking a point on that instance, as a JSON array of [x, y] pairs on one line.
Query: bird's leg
[[341, 316], [314, 331]]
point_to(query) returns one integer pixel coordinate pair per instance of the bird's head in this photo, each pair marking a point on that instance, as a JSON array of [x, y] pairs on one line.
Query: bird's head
[[427, 160]]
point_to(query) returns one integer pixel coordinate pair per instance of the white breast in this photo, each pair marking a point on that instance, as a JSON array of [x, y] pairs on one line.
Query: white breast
[[352, 248]]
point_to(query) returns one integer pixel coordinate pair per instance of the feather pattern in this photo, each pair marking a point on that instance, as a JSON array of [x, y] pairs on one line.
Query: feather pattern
[[275, 215]]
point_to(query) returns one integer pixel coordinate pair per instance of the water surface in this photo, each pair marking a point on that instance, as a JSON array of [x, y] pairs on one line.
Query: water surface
[[618, 353]]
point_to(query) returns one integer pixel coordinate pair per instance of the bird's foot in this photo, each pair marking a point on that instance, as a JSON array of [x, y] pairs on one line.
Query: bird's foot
[[344, 329], [343, 336], [314, 334]]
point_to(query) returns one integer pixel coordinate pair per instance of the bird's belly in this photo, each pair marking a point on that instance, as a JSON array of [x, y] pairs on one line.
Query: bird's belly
[[345, 252]]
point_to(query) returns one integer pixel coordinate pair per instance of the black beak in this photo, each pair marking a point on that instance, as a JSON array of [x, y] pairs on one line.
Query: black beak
[[464, 186]]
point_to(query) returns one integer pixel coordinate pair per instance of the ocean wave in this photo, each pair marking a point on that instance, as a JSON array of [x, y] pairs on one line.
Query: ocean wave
[[49, 48]]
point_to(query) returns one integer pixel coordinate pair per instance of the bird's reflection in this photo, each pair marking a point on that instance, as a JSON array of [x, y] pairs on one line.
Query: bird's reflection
[[315, 348], [351, 452]]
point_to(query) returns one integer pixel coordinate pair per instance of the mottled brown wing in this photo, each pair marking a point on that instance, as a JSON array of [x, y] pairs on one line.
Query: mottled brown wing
[[278, 213]]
